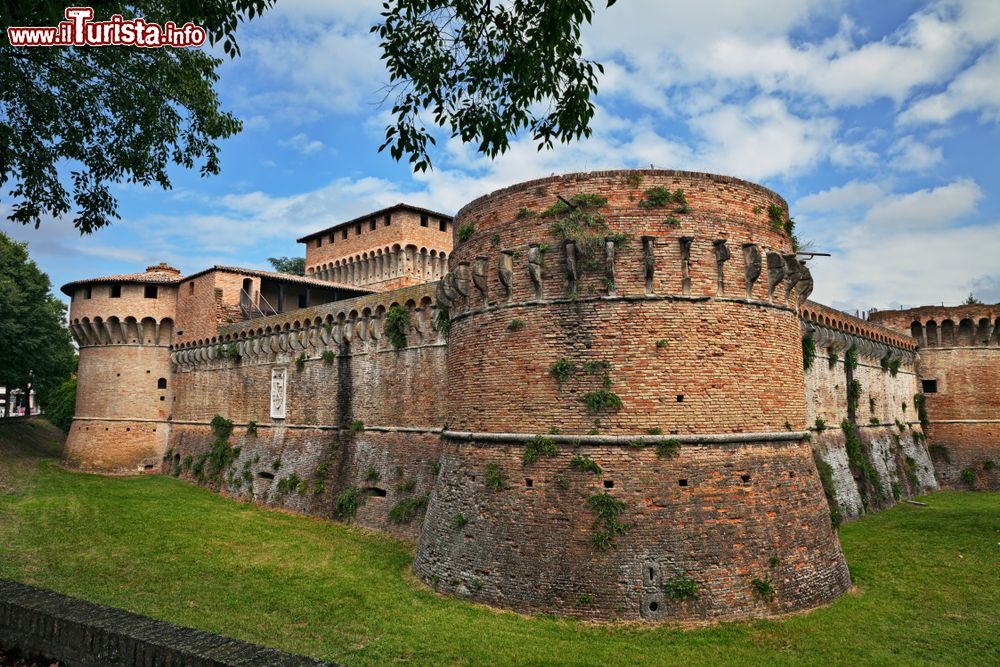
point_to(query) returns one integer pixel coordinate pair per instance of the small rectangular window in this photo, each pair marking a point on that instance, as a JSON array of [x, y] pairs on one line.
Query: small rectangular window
[[443, 225], [89, 292], [423, 220], [388, 219], [929, 386], [372, 223], [303, 302], [150, 292], [357, 229], [332, 237], [191, 287], [343, 233], [319, 241], [116, 291]]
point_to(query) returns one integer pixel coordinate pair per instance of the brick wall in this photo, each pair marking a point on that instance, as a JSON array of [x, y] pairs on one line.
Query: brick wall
[[719, 370], [959, 362]]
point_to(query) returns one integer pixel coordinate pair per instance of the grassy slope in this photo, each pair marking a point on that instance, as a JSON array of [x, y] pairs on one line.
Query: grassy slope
[[929, 584]]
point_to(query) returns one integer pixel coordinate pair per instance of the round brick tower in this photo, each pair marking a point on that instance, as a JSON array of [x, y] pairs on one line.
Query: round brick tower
[[959, 369], [123, 326], [626, 411]]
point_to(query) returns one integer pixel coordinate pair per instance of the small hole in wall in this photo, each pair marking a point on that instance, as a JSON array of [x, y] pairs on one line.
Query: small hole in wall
[[147, 372], [528, 482], [118, 375], [473, 478], [654, 605], [105, 428], [652, 574], [375, 491], [745, 477], [127, 428], [148, 466], [791, 474], [609, 484], [163, 398], [680, 398], [682, 482], [265, 475]]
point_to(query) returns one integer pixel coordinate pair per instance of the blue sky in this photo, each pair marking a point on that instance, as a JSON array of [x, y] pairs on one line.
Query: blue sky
[[878, 122]]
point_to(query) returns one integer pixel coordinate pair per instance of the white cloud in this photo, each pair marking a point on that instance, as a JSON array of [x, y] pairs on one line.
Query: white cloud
[[908, 154], [303, 144], [977, 89], [847, 197]]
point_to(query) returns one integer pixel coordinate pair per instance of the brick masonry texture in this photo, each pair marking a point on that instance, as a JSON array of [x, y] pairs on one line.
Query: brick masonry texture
[[656, 309], [84, 634], [960, 352], [684, 360]]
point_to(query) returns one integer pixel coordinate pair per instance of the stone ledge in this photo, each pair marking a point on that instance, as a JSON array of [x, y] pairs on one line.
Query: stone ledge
[[77, 632]]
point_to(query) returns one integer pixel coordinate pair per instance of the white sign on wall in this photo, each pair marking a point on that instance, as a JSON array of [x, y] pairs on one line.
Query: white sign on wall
[[278, 393]]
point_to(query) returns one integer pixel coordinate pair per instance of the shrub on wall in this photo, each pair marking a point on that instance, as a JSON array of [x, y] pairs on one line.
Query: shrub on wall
[[607, 525], [397, 322], [346, 504], [808, 352], [538, 446], [407, 509]]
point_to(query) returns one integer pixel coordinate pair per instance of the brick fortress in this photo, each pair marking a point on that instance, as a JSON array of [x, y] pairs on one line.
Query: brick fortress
[[600, 395]]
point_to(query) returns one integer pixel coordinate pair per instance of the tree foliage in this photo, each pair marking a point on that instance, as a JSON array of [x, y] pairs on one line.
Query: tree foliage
[[35, 347], [94, 117], [486, 71], [295, 266]]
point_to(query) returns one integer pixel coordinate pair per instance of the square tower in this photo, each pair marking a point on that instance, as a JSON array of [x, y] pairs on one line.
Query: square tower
[[393, 247]]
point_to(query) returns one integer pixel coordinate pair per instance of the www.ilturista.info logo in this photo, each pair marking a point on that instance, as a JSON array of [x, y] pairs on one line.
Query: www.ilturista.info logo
[[80, 30]]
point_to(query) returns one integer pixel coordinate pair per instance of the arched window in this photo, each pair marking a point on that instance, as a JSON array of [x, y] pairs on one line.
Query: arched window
[[161, 383]]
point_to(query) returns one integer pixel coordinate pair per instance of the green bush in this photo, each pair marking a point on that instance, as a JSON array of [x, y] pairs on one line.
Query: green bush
[[346, 504], [939, 452], [968, 475], [442, 322], [59, 403], [357, 426], [406, 486], [607, 525], [496, 478], [465, 231], [300, 361], [329, 357], [515, 325], [459, 521], [562, 370], [808, 352], [407, 509], [373, 475], [763, 589], [540, 445], [583, 463], [831, 357], [602, 400], [681, 587], [820, 425], [669, 448], [397, 323], [251, 427]]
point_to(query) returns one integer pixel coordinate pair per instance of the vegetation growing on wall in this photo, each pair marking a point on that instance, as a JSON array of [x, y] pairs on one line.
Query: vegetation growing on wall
[[442, 322], [681, 587], [808, 351], [670, 448], [940, 452], [397, 322], [607, 525], [851, 359], [562, 370], [660, 197], [829, 490], [346, 504], [231, 351], [465, 231], [538, 446], [515, 325], [860, 465], [496, 477], [853, 396], [920, 403], [831, 357], [407, 509], [584, 225], [763, 588], [329, 357], [583, 463]]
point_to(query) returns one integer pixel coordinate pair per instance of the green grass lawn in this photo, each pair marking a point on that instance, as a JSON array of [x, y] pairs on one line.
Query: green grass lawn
[[928, 579]]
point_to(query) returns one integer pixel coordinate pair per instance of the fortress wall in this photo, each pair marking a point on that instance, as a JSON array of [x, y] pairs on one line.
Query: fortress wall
[[394, 396], [885, 422], [707, 482], [959, 368]]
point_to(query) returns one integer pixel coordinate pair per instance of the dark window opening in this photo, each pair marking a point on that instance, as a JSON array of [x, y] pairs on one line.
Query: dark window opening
[[443, 225], [161, 383], [682, 482], [375, 491], [177, 458], [87, 292], [680, 398], [372, 223], [745, 477], [319, 241], [303, 301], [163, 398], [387, 219], [150, 291], [423, 220], [609, 484], [929, 386], [332, 237], [653, 606], [343, 233], [148, 466], [528, 482], [357, 229], [191, 287], [116, 291], [265, 475]]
